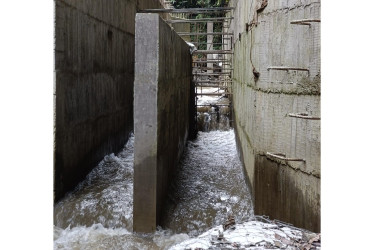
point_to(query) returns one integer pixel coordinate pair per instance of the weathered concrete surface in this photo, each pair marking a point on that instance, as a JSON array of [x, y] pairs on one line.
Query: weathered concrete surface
[[162, 114], [94, 73], [286, 191]]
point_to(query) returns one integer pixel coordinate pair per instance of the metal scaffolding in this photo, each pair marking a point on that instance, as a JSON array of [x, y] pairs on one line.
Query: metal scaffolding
[[212, 59]]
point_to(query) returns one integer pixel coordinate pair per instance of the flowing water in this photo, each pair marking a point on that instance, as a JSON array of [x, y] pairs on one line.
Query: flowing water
[[208, 186]]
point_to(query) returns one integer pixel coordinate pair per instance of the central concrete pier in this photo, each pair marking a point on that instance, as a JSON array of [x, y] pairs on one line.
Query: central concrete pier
[[163, 107]]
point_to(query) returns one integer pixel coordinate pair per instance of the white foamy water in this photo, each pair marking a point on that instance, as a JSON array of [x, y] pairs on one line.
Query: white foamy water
[[206, 99], [209, 186], [98, 213], [104, 197], [251, 235]]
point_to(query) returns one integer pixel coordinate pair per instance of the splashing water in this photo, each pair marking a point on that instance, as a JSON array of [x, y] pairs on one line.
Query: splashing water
[[208, 186]]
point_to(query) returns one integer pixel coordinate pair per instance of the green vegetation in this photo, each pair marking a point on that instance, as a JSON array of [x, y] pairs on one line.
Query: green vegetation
[[202, 27], [179, 4]]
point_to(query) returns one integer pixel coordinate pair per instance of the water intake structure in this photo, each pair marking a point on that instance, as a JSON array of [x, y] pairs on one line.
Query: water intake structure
[[179, 181]]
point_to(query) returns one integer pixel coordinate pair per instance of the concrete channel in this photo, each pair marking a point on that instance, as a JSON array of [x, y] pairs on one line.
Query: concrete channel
[[118, 71]]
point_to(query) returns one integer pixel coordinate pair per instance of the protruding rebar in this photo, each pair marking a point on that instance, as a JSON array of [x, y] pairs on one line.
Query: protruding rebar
[[281, 156], [304, 116], [287, 68], [305, 21]]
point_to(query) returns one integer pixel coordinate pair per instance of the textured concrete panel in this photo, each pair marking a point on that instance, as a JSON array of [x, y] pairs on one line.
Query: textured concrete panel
[[262, 105], [162, 114], [93, 92]]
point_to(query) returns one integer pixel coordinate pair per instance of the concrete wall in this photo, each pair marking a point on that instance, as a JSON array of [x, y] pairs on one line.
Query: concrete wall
[[162, 114], [94, 73], [288, 191]]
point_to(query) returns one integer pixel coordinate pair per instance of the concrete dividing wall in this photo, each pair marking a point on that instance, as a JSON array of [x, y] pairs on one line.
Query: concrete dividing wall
[[162, 114], [288, 191], [94, 73]]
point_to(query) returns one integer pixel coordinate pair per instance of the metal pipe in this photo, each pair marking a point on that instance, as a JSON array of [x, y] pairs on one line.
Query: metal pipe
[[212, 74], [219, 68], [210, 43], [223, 81], [212, 86], [213, 52], [224, 93], [219, 105], [212, 61]]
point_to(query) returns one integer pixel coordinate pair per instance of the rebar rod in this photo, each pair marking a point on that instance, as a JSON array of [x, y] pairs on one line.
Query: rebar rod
[[287, 68], [304, 116], [281, 156], [305, 21]]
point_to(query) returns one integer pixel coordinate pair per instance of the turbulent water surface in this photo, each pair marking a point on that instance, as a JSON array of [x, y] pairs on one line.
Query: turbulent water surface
[[208, 187]]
